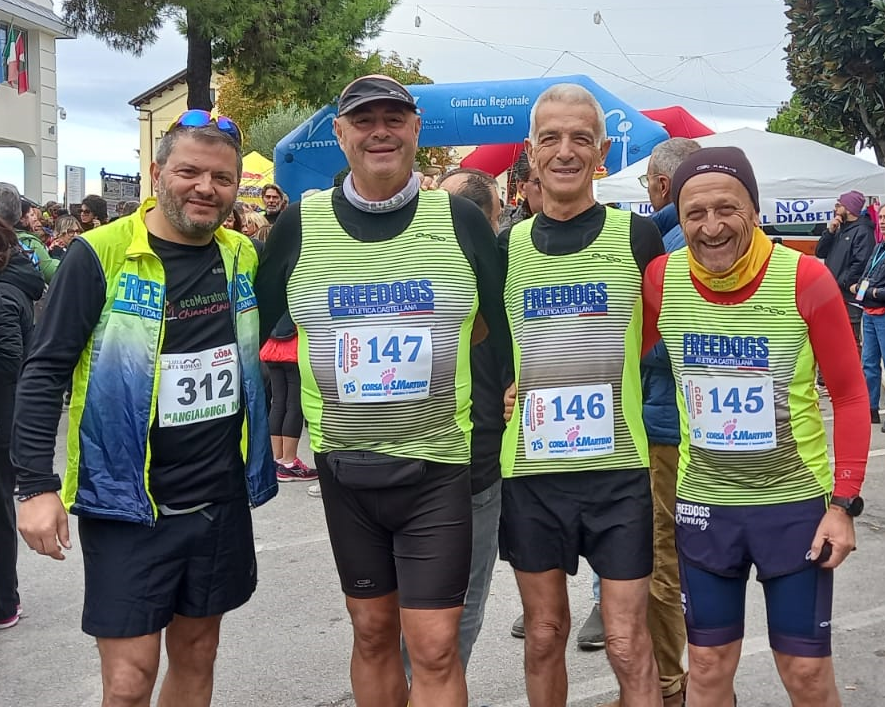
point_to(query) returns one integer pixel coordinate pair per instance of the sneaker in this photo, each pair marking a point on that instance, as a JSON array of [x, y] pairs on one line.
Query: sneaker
[[874, 417], [517, 630], [315, 491], [298, 471], [591, 637], [12, 620]]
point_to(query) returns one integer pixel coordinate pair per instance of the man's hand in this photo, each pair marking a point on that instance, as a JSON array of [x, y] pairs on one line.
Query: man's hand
[[837, 529], [833, 226], [427, 183], [509, 402], [43, 523]]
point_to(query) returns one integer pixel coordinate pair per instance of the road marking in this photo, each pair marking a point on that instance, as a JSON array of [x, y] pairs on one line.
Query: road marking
[[296, 542]]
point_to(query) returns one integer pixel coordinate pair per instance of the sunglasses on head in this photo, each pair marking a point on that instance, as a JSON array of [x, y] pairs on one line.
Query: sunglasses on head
[[196, 118]]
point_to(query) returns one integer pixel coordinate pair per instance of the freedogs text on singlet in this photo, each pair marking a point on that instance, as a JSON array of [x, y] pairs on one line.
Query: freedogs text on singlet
[[716, 350], [379, 298], [582, 299]]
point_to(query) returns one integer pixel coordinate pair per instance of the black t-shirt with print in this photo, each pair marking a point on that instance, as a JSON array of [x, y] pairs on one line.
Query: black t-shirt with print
[[197, 460]]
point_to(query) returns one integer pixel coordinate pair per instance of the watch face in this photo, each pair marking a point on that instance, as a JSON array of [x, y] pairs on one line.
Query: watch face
[[856, 506]]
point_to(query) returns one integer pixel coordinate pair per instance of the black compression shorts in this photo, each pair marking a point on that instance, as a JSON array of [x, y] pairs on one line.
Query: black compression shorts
[[414, 539]]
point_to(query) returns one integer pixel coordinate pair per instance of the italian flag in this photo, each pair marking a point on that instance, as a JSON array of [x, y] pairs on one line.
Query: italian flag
[[14, 60]]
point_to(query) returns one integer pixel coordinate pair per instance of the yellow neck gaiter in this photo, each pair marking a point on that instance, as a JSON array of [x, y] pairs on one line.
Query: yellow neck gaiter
[[742, 272]]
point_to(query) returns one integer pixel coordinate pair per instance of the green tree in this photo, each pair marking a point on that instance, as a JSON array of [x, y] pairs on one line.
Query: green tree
[[836, 62], [795, 119], [270, 45], [265, 132]]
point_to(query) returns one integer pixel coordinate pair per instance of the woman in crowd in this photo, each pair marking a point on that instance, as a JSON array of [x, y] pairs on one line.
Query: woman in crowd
[[20, 285], [286, 420], [66, 228], [252, 221]]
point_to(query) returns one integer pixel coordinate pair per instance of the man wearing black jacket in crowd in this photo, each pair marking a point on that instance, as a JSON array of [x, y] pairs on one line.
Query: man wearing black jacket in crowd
[[846, 247]]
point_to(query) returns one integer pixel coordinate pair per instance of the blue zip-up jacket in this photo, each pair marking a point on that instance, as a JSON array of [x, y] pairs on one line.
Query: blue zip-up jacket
[[117, 373], [659, 412]]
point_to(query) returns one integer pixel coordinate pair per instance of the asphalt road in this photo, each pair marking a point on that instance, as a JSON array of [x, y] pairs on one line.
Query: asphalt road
[[290, 645]]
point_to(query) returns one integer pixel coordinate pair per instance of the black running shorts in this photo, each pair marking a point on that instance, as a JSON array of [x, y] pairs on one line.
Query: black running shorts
[[137, 577], [415, 539], [548, 521]]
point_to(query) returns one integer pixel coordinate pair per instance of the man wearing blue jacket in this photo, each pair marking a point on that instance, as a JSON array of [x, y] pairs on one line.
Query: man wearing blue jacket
[[661, 418]]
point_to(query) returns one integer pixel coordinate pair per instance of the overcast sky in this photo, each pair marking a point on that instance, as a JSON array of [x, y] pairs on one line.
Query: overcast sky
[[721, 60]]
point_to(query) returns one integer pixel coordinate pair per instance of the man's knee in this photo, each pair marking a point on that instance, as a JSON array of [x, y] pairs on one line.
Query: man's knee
[[193, 643], [710, 665], [128, 684], [436, 652], [546, 636], [806, 676], [628, 652], [376, 628]]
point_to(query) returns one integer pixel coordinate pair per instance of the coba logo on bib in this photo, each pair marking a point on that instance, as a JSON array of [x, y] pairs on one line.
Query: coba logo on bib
[[589, 299], [222, 356], [349, 352], [402, 297]]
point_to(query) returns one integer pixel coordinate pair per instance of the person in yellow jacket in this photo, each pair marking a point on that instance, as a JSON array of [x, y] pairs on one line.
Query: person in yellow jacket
[[168, 442]]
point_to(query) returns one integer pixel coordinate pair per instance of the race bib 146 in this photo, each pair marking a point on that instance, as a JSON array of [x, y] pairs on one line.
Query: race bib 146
[[577, 421]]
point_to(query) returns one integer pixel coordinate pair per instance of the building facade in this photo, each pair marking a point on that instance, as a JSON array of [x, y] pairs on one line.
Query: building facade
[[28, 120], [157, 108]]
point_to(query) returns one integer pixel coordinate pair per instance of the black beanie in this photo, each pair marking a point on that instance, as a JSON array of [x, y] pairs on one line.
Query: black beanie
[[725, 160]]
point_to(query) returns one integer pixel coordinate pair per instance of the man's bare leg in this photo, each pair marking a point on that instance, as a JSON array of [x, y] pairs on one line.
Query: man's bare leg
[[191, 645], [431, 636], [376, 666], [547, 623], [128, 670]]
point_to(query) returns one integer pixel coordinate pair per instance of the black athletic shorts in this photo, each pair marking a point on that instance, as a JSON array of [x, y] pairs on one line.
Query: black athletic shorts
[[415, 539], [137, 577], [548, 521]]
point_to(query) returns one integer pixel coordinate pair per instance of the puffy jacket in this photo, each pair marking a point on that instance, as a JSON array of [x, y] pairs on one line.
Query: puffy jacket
[[659, 412]]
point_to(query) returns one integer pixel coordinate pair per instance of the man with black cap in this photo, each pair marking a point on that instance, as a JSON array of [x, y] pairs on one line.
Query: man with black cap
[[846, 246], [384, 282], [746, 322]]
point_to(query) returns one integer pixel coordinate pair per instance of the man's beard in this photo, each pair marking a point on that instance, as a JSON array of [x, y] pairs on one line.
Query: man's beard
[[175, 215]]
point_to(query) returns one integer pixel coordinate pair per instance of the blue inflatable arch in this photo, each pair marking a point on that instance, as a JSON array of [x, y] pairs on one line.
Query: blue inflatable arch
[[477, 113]]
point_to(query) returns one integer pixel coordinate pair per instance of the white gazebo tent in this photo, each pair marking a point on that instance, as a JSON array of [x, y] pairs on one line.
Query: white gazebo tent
[[799, 180]]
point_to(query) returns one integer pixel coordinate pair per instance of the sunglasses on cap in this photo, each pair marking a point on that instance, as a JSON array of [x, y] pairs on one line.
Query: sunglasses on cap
[[197, 118]]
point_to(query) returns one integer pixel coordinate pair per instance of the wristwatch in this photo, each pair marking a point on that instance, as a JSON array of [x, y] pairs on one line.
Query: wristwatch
[[852, 505]]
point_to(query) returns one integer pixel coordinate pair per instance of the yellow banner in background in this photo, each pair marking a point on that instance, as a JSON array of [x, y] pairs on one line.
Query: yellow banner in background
[[257, 171]]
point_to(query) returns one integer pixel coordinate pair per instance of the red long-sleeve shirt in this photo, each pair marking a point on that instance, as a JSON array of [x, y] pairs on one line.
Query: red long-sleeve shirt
[[820, 304]]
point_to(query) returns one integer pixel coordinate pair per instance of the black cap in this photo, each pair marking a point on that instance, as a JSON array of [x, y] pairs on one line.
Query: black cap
[[725, 160], [374, 87]]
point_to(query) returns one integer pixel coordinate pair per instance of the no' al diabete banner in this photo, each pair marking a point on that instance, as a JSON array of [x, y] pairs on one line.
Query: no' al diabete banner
[[476, 113], [779, 212]]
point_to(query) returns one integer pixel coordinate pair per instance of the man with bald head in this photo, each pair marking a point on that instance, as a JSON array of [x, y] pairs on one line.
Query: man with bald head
[[746, 323]]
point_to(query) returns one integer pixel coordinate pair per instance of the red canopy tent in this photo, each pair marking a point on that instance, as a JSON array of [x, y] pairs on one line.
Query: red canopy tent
[[495, 159]]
